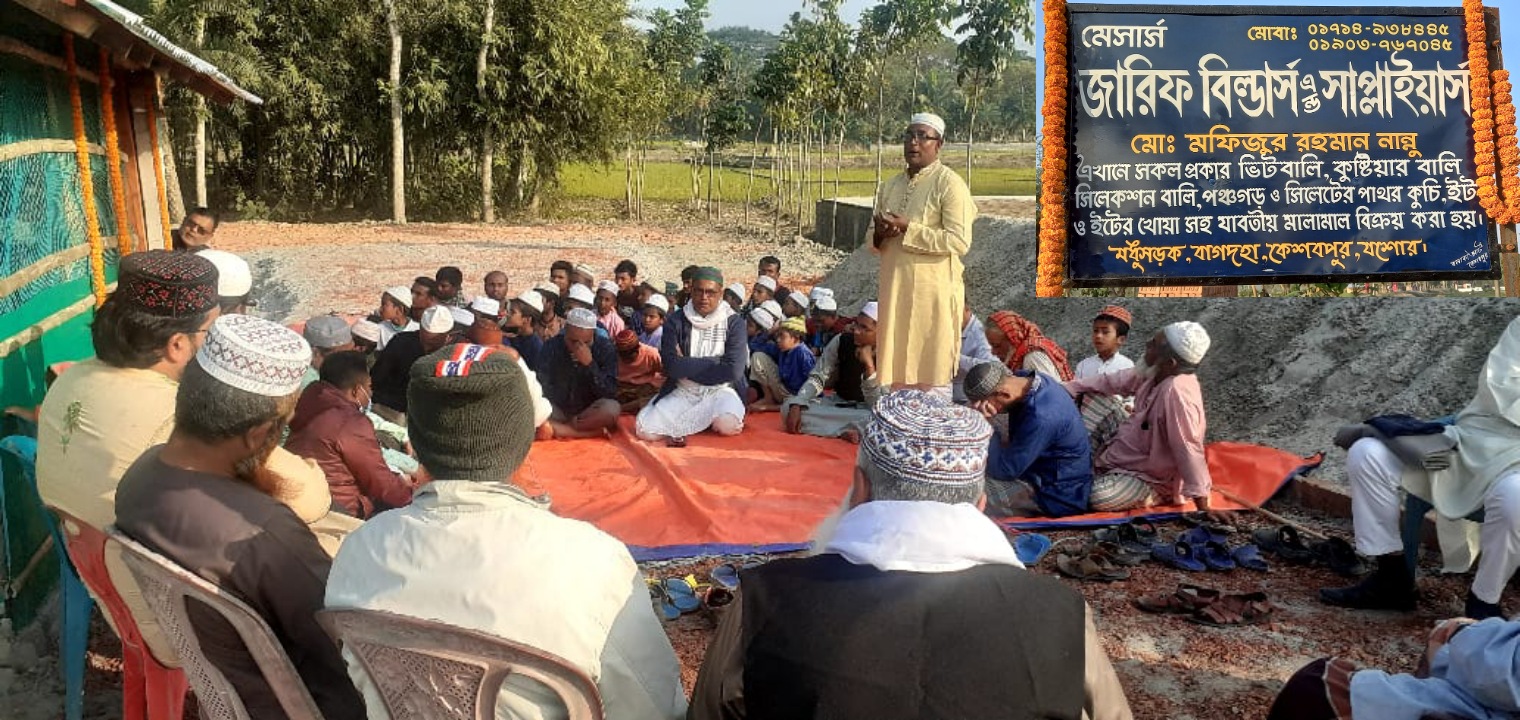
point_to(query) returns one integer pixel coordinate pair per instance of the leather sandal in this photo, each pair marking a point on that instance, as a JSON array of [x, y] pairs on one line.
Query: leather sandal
[[1232, 610], [1093, 566], [1185, 600]]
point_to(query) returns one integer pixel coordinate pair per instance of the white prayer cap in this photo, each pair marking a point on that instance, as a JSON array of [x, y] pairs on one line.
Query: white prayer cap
[[608, 286], [774, 308], [930, 119], [1188, 339], [582, 293], [233, 278], [486, 306], [581, 318], [584, 269], [820, 292], [763, 318], [532, 299], [401, 294], [461, 316], [869, 309], [438, 320], [255, 355], [659, 301], [737, 289], [366, 330], [826, 304], [799, 298], [547, 287], [767, 282]]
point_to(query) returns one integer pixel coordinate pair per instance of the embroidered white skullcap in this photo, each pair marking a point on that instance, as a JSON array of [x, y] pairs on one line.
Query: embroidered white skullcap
[[767, 282], [584, 269], [820, 292], [547, 287], [737, 289], [799, 298], [255, 355], [930, 119], [366, 330], [869, 309], [774, 308], [233, 278], [826, 303], [401, 294], [608, 286], [486, 306], [763, 317], [659, 301], [532, 299], [581, 293], [581, 318], [438, 320], [1188, 339], [461, 316], [921, 437]]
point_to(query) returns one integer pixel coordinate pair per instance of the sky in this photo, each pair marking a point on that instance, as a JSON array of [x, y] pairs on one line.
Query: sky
[[1509, 15]]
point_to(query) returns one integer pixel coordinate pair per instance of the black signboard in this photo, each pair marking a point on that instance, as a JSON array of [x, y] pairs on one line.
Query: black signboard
[[1247, 144]]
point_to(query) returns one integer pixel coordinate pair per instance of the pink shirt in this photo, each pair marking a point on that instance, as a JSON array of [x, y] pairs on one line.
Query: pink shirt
[[1164, 437], [612, 323]]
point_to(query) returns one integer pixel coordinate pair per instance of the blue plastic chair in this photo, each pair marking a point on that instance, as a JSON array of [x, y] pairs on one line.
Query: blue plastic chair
[[74, 635], [1415, 509]]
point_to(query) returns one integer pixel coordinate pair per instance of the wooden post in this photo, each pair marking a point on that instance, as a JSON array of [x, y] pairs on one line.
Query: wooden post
[[140, 95]]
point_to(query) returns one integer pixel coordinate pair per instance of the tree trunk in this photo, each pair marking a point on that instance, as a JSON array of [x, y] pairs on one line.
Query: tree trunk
[[754, 152], [487, 140], [200, 123], [628, 179], [838, 170], [398, 139], [970, 127], [881, 100], [776, 179], [711, 156]]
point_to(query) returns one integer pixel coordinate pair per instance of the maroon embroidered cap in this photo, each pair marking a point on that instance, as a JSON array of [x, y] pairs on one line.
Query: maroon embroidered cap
[[172, 284]]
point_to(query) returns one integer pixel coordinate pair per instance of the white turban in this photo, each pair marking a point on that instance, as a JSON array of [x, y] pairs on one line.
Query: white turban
[[1188, 340], [930, 119]]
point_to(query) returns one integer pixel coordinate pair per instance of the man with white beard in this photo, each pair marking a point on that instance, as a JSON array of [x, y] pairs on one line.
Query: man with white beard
[[1155, 457]]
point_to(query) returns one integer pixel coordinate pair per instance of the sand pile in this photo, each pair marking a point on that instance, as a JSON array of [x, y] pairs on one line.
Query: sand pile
[[1284, 372]]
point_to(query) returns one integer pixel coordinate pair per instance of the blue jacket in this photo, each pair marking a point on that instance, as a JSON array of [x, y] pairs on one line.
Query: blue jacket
[[675, 354], [795, 366], [1048, 447]]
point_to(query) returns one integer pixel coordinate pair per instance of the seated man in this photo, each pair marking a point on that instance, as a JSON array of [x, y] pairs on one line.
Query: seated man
[[1019, 343], [196, 231], [640, 374], [203, 500], [495, 285], [447, 284], [1468, 671], [1110, 330], [395, 314], [825, 324], [914, 554], [424, 296], [331, 428], [1481, 471], [101, 414], [1040, 460], [974, 351], [390, 373], [579, 373], [326, 334], [848, 367], [1156, 456], [558, 585], [704, 353], [762, 291], [234, 281]]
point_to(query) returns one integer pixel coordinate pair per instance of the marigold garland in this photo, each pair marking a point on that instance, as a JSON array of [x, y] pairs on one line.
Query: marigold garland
[[1051, 262], [1493, 123], [113, 155], [158, 165], [86, 181]]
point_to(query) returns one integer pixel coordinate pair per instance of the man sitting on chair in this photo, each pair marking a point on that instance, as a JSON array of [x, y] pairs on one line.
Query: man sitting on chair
[[204, 500], [476, 551]]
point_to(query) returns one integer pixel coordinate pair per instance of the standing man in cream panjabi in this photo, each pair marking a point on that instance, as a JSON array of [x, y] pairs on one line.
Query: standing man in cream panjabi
[[921, 229]]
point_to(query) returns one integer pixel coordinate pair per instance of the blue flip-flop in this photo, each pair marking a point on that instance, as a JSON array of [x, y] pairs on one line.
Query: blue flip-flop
[[1217, 556], [682, 595], [662, 602], [1030, 547], [1249, 557], [1180, 554], [1200, 536], [726, 576]]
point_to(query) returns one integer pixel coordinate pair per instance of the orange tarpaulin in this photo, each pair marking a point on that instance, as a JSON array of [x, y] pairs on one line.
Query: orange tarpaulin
[[764, 491]]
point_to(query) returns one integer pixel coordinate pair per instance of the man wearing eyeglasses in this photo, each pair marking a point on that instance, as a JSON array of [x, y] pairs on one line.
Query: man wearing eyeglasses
[[195, 233], [921, 229]]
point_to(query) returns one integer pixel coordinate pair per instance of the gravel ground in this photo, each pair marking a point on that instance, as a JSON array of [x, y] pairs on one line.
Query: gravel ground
[[1282, 372]]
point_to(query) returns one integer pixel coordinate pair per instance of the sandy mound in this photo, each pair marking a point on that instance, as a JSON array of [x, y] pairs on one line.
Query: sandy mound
[[1284, 372]]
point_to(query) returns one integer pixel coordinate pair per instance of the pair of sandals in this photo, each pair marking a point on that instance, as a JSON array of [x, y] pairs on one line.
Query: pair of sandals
[[1099, 561], [1201, 550], [674, 597], [1335, 553], [1207, 606]]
